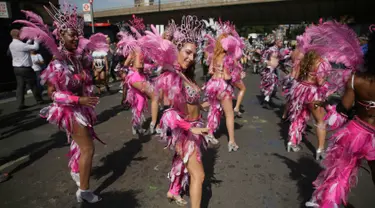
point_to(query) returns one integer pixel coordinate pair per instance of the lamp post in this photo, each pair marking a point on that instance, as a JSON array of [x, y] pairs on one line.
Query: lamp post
[[92, 16]]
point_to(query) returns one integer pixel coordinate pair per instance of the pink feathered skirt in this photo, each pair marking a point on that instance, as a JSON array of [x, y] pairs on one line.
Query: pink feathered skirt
[[184, 143], [136, 98], [216, 90], [268, 82], [300, 96], [350, 144], [64, 116]]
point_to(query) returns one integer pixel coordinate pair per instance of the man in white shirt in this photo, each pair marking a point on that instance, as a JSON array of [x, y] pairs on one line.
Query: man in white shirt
[[22, 68], [37, 66]]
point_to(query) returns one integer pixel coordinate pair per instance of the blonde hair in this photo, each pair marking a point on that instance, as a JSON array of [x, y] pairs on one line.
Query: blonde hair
[[218, 50], [307, 64]]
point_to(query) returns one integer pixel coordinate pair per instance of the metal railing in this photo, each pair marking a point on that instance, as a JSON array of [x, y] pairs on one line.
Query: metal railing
[[164, 2]]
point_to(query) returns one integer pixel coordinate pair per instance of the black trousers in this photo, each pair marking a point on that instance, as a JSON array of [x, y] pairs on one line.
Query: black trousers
[[26, 75]]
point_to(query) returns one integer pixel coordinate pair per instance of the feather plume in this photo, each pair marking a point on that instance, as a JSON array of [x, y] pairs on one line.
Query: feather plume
[[161, 51], [98, 41], [335, 42], [37, 20], [44, 38]]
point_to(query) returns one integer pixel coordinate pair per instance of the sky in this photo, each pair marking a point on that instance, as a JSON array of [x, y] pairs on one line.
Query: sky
[[104, 4]]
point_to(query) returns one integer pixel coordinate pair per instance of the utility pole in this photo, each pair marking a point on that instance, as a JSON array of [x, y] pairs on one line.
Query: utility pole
[[159, 5], [92, 16]]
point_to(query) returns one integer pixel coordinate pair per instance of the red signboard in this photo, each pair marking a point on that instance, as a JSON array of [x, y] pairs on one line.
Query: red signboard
[[101, 24]]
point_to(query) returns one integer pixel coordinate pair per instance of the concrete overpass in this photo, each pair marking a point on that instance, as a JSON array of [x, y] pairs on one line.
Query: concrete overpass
[[246, 12]]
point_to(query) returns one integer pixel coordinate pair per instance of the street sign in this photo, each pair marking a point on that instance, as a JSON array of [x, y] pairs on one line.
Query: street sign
[[91, 1], [86, 7], [87, 17], [4, 12]]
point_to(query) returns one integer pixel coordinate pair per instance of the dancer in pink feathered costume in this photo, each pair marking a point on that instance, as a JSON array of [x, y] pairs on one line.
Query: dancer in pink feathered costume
[[321, 44], [269, 75], [289, 80], [181, 125], [70, 86], [137, 81], [223, 54], [353, 142]]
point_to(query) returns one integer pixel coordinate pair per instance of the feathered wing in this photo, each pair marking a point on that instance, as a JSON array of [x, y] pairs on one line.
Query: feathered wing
[[335, 42], [44, 38], [233, 46], [98, 41], [37, 30], [37, 20], [161, 51], [209, 47], [127, 43]]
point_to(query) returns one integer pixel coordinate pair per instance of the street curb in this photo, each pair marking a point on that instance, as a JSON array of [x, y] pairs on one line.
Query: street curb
[[7, 167]]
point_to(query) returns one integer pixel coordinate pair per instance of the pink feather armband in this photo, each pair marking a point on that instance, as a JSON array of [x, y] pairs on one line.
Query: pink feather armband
[[65, 98]]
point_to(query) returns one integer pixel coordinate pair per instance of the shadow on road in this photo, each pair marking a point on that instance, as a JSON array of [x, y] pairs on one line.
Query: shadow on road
[[115, 199], [304, 171], [209, 160], [109, 113], [19, 121], [117, 162], [36, 151]]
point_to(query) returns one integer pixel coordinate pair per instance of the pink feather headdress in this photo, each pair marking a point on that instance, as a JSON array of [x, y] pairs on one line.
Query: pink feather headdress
[[226, 27], [65, 18], [333, 41], [137, 23], [190, 31]]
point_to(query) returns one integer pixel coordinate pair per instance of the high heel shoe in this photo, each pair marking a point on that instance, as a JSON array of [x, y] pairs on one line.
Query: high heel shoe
[[232, 147], [176, 198], [211, 139], [87, 196], [237, 113], [76, 178], [295, 148], [320, 154], [152, 128]]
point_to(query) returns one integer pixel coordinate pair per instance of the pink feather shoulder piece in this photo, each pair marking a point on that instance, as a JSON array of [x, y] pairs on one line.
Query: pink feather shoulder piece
[[36, 29], [161, 51]]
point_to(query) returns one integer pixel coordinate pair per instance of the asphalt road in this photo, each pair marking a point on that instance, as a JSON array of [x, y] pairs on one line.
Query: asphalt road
[[132, 172]]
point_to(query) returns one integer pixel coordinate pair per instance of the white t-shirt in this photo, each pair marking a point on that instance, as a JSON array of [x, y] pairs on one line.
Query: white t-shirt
[[35, 58], [99, 61]]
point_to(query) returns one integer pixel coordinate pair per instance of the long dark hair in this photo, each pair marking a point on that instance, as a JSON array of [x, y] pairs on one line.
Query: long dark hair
[[370, 57]]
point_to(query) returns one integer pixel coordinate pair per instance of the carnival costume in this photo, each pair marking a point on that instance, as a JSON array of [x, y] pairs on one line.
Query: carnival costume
[[269, 75], [334, 43], [69, 73], [353, 141], [217, 89], [174, 124], [137, 99]]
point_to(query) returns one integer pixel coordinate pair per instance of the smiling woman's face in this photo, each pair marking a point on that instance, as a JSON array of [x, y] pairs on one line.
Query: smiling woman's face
[[187, 55], [70, 38]]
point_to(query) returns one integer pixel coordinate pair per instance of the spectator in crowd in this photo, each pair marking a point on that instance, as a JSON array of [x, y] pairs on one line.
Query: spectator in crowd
[[38, 65], [22, 63], [110, 58]]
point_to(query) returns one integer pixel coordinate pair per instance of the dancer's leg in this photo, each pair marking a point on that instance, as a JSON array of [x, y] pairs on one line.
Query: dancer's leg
[[242, 89], [229, 118], [196, 171], [85, 143]]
